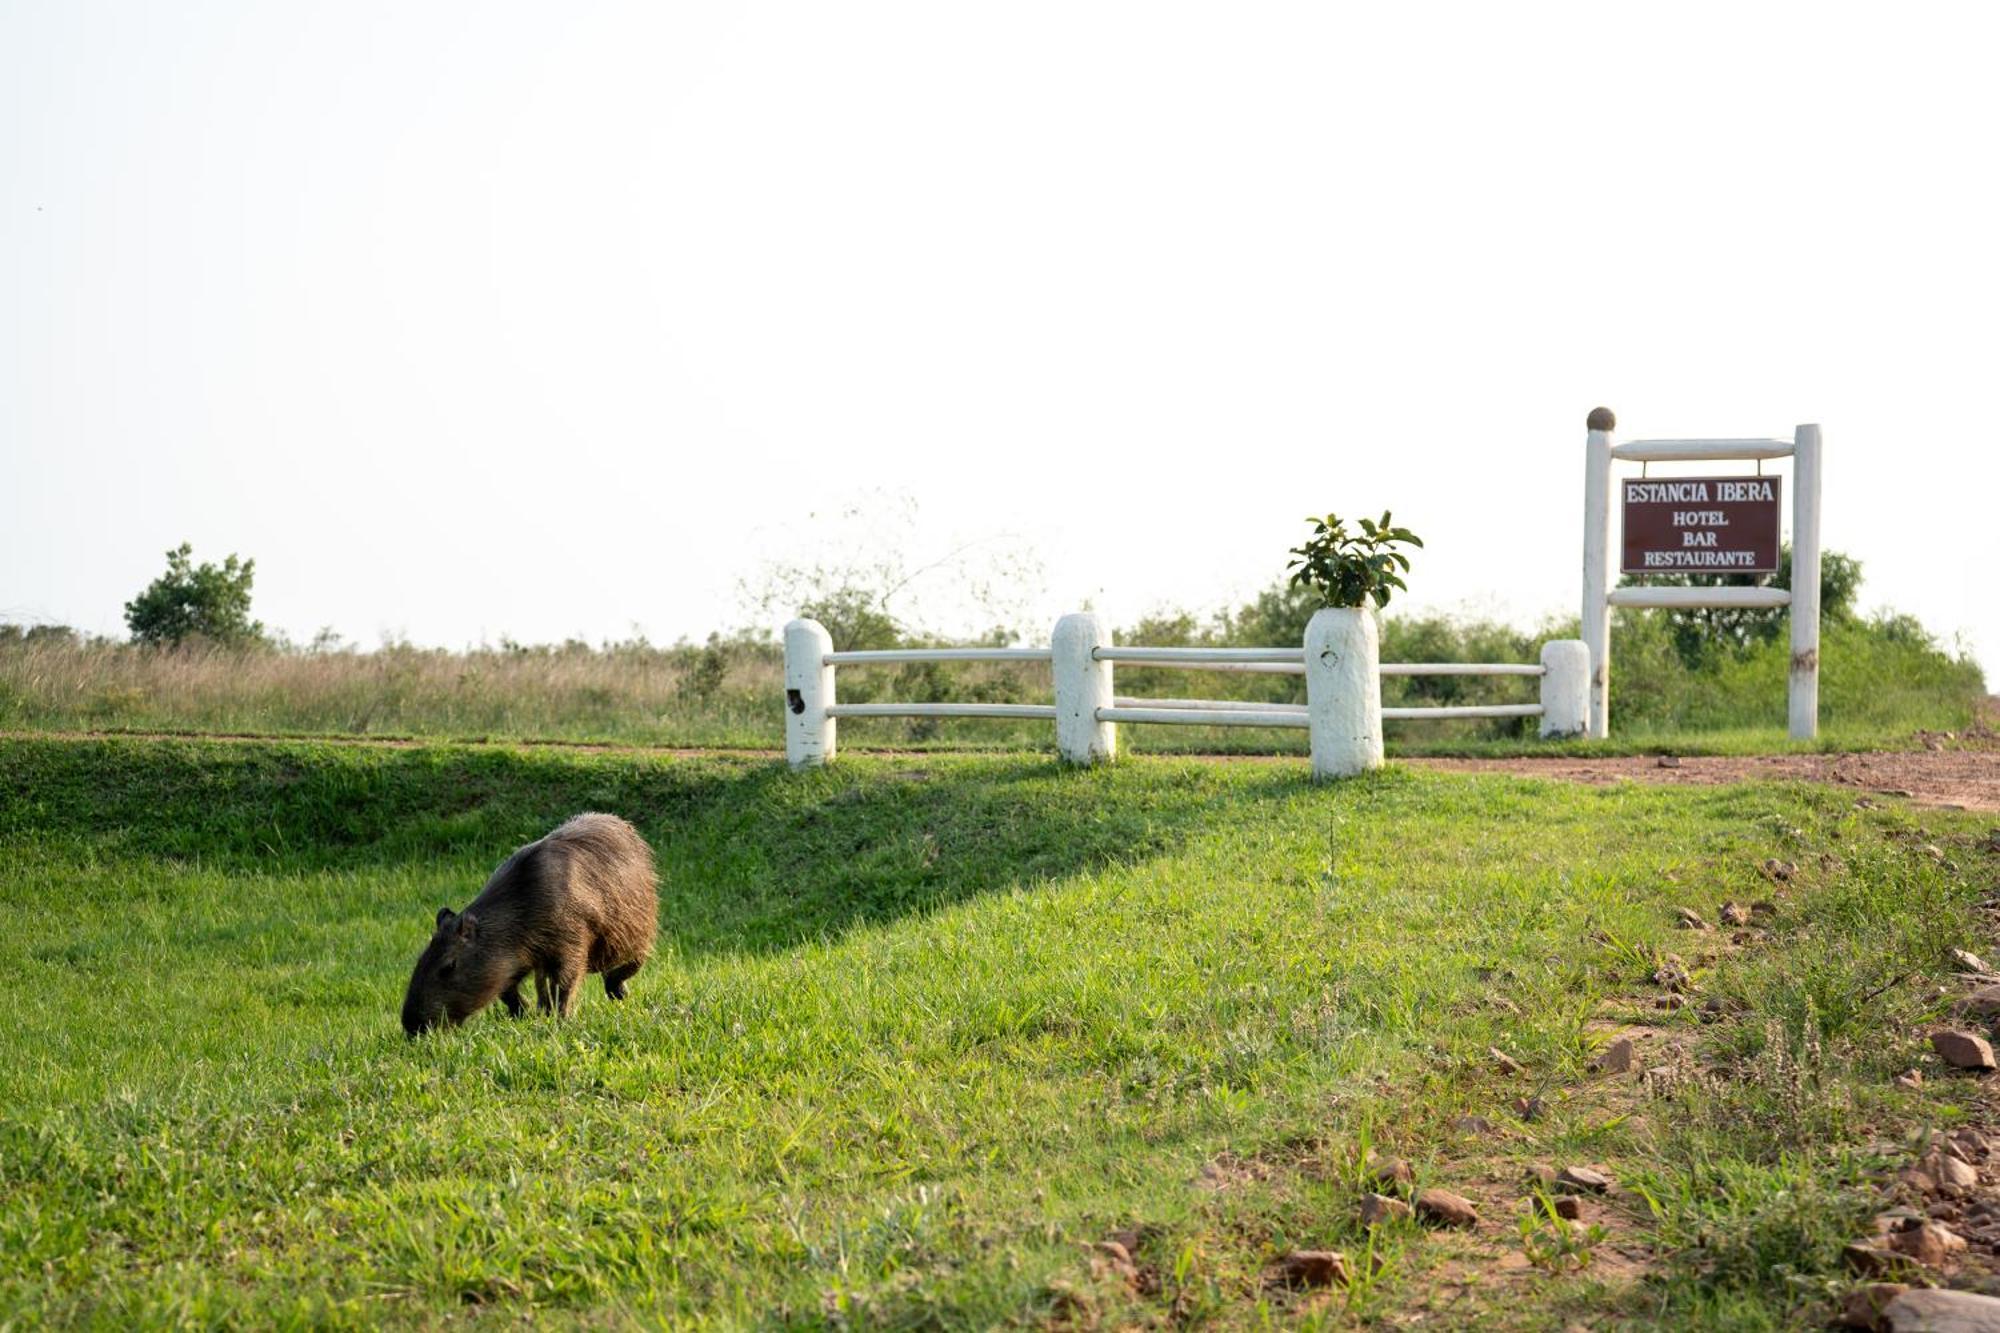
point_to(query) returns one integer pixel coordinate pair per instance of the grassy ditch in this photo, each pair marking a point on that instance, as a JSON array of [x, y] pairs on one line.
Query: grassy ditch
[[922, 1031]]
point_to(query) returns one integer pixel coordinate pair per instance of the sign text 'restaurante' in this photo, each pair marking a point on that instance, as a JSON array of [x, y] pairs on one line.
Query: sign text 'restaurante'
[[1705, 525]]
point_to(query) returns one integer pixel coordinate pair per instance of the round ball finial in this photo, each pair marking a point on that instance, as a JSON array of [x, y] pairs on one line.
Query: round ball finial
[[1601, 418]]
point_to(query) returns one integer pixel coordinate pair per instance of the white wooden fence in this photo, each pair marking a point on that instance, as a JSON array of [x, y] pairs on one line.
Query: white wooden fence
[[1343, 697], [1599, 596]]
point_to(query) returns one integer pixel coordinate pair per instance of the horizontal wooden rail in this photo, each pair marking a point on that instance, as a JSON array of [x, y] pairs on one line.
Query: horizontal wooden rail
[[1464, 669], [893, 656], [1460, 710], [1205, 717], [1206, 656], [1678, 597], [1234, 705], [1689, 451], [1038, 712]]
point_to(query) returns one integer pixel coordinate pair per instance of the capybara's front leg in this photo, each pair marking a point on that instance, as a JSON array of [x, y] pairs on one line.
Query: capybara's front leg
[[615, 979], [556, 985], [511, 997]]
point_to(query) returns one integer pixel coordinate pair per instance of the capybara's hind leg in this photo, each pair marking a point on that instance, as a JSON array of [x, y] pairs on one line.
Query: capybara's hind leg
[[615, 979]]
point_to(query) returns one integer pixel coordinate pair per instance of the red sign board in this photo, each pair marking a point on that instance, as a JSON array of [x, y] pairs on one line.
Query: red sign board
[[1701, 525]]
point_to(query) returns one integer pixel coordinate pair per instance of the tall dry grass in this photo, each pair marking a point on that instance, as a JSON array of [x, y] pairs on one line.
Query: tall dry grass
[[723, 695]]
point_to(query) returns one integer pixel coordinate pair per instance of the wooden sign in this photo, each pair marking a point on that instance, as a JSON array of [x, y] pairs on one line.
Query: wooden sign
[[1701, 525]]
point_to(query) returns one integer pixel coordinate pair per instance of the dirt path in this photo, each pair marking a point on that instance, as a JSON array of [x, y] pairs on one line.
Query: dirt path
[[1960, 776]]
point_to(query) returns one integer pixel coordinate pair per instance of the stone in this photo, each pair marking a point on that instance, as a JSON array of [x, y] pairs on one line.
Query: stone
[[1895, 1219], [1931, 1244], [1473, 1124], [1982, 1003], [1910, 1078], [1928, 1310], [1873, 1259], [1689, 920], [1963, 1050], [1582, 1180], [1502, 1061], [1780, 871], [1951, 1171], [1763, 908], [1109, 1254], [1315, 1268], [1670, 761], [1527, 1108], [1734, 914], [1568, 1207], [1969, 962], [1670, 1001], [1393, 1171], [1968, 1142], [1617, 1057], [1379, 1208], [1865, 1303], [1446, 1209]]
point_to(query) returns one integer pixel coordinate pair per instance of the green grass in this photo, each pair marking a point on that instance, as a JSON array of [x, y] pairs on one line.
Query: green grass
[[920, 1028]]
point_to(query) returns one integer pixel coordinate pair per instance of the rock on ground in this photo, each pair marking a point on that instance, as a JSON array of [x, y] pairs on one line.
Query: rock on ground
[[1394, 1171], [1379, 1208], [1927, 1311], [1582, 1180], [1315, 1268], [1965, 1050], [1865, 1304], [1446, 1209]]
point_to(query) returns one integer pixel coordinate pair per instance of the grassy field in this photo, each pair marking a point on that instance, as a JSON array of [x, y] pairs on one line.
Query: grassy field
[[923, 1029]]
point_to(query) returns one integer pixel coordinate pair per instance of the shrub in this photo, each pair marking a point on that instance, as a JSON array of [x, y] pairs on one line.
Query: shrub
[[1351, 568], [196, 601]]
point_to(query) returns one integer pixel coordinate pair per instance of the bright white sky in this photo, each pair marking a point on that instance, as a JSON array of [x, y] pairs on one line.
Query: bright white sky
[[471, 319]]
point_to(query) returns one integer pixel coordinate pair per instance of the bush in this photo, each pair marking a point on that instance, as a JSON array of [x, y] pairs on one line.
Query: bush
[[196, 601]]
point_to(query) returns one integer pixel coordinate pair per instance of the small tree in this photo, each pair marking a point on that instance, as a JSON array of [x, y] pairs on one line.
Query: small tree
[[1348, 568], [196, 601]]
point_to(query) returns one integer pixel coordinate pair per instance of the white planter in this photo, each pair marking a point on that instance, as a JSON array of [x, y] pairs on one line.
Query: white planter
[[1344, 691]]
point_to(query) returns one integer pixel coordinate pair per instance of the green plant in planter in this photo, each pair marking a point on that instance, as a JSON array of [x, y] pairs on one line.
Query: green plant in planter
[[1347, 568]]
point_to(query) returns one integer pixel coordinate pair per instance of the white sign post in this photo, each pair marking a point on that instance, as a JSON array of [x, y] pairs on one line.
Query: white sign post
[[1599, 597]]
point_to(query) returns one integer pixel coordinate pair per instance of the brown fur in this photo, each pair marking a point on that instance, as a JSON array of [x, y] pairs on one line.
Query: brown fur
[[583, 899]]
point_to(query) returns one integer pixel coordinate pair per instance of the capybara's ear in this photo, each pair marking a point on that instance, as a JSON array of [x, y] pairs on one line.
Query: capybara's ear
[[444, 915], [468, 926]]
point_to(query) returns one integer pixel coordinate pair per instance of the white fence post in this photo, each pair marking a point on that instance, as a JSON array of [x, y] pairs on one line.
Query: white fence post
[[1344, 691], [1083, 685], [809, 730], [1805, 584], [1565, 688], [1597, 566]]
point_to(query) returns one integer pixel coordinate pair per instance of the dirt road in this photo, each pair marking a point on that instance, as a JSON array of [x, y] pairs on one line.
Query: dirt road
[[1963, 775]]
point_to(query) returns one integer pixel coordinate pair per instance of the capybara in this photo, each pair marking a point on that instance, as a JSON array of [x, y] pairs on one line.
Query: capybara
[[582, 899]]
